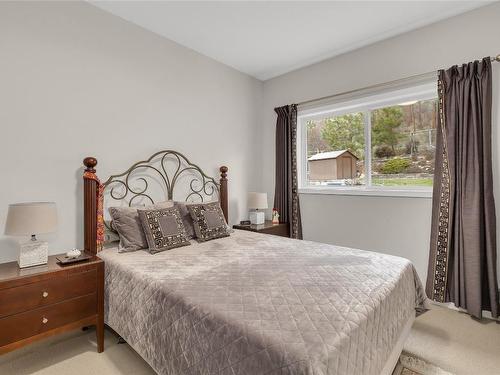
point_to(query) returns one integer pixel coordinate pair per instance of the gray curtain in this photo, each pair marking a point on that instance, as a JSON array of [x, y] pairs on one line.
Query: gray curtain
[[286, 197], [463, 253]]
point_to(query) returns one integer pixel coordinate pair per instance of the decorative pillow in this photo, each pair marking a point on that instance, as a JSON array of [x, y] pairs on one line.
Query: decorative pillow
[[128, 225], [110, 233], [208, 220], [186, 218], [164, 229]]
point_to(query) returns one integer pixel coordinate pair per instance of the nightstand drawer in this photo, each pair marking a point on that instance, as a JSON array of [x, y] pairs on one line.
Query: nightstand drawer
[[281, 229], [30, 323], [31, 296], [278, 230]]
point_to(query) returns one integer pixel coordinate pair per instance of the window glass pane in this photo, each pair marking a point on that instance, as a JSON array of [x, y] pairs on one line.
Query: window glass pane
[[335, 150], [403, 144]]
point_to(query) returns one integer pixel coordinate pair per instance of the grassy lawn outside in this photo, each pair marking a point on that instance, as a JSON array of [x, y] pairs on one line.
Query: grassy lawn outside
[[425, 181]]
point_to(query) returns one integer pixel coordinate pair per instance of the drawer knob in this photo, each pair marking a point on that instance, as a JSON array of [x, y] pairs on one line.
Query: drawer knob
[[44, 320], [45, 294]]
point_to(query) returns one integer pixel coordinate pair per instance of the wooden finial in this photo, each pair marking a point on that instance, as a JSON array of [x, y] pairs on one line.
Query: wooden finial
[[90, 162], [223, 171], [223, 196]]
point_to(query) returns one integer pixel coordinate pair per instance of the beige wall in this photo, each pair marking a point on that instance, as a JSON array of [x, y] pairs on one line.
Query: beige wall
[[76, 81], [397, 226]]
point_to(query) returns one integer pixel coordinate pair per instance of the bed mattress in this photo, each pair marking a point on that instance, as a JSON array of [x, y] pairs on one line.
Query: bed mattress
[[259, 304]]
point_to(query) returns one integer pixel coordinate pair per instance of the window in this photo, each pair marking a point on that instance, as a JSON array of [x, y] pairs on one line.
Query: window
[[374, 143]]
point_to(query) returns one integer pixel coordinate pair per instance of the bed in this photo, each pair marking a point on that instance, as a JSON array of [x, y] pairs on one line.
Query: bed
[[253, 303]]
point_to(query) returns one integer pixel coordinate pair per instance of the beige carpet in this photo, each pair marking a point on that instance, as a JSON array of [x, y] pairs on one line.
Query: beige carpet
[[74, 354], [441, 342], [456, 343]]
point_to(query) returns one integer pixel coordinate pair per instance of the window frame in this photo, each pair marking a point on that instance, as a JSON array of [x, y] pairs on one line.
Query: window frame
[[365, 104]]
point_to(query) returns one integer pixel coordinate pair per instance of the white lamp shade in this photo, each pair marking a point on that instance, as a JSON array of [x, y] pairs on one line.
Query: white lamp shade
[[24, 219], [257, 201]]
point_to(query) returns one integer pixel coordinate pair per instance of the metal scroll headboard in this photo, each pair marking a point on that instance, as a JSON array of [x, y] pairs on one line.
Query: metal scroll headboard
[[167, 170]]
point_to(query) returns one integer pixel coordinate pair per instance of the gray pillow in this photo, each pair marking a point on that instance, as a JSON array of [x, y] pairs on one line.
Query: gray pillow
[[128, 225], [110, 235], [164, 229], [209, 222]]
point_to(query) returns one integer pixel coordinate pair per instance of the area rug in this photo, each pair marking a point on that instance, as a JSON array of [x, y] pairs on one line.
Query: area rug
[[409, 364]]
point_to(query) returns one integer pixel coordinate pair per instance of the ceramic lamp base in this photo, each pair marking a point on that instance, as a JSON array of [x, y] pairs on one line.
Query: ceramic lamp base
[[33, 253], [257, 217]]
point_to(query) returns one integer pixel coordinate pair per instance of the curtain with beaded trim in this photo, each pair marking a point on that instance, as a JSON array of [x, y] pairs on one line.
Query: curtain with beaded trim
[[463, 254], [286, 195]]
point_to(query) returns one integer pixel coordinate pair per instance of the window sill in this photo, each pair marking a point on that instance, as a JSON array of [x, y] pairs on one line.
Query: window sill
[[371, 191]]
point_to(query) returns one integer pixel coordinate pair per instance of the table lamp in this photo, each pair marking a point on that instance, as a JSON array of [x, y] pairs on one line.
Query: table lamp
[[256, 202], [30, 219]]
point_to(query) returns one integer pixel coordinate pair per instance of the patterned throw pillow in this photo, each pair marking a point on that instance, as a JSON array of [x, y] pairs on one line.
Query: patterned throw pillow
[[128, 225], [164, 229], [208, 220]]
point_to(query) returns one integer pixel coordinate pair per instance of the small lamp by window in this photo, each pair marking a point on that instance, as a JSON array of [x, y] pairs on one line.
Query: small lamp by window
[[256, 202], [30, 219]]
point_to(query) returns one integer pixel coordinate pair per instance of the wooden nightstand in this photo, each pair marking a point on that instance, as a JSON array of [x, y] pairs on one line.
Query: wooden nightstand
[[46, 300], [268, 227]]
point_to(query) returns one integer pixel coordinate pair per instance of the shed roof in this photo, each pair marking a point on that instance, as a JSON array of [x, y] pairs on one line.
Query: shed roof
[[330, 155]]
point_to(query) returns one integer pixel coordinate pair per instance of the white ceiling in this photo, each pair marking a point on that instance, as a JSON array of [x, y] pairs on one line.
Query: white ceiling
[[266, 39]]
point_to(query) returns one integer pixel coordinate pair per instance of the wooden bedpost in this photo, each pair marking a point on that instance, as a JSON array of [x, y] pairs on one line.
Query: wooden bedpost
[[223, 191], [90, 207]]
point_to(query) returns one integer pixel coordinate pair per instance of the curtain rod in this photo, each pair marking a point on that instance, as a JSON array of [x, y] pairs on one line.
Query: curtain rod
[[493, 59]]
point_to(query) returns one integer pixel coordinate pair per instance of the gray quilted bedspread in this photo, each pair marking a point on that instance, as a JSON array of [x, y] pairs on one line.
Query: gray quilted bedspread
[[260, 304]]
